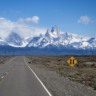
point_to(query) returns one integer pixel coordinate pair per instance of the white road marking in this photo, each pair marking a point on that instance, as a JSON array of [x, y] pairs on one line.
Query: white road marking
[[6, 72], [38, 79], [2, 77]]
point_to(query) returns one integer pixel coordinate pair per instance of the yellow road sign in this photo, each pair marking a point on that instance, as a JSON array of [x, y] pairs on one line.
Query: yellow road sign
[[72, 61]]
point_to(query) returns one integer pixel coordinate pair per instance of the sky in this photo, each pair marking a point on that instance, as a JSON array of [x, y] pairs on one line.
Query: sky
[[27, 16]]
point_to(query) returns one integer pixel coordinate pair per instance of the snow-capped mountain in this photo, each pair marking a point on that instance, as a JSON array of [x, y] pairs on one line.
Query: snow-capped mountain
[[52, 38], [2, 42], [56, 38], [15, 40]]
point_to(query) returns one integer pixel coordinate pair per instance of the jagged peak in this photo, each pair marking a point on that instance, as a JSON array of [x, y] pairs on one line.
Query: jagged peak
[[54, 28], [47, 32], [54, 32]]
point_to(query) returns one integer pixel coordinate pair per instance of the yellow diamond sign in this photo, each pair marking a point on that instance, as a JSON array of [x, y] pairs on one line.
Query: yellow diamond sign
[[72, 61]]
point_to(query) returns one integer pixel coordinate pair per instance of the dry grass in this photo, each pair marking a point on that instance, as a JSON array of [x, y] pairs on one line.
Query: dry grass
[[3, 59], [84, 72]]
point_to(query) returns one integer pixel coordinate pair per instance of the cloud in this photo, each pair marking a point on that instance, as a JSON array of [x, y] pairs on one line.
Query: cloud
[[23, 29], [84, 20], [6, 27], [34, 19]]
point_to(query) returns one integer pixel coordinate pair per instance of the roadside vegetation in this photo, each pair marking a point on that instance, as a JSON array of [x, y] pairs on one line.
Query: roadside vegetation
[[83, 72], [3, 59]]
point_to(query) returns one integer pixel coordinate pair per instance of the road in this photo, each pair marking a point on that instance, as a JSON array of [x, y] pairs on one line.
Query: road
[[18, 79]]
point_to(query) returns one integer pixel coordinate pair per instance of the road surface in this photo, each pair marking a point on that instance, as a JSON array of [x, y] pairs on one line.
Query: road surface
[[18, 79]]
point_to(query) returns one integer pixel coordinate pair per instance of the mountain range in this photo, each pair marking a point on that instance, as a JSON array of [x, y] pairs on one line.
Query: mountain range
[[52, 42]]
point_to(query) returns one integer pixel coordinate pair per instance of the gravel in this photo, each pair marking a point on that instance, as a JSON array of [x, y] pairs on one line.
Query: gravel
[[59, 85]]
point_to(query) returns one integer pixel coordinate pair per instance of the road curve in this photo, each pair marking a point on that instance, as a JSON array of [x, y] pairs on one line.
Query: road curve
[[21, 81]]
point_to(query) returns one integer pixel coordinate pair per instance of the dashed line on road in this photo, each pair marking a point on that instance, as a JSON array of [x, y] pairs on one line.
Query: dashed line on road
[[6, 73], [38, 79], [2, 77]]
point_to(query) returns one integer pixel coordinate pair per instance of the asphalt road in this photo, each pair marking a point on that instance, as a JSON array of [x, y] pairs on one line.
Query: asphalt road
[[18, 79]]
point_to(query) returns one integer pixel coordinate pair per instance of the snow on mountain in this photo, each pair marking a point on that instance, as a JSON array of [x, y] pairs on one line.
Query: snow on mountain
[[15, 40], [53, 37], [56, 38], [55, 32], [2, 42], [50, 37], [92, 42]]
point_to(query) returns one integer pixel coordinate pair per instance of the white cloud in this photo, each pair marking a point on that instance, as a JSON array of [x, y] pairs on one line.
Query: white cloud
[[34, 19], [6, 27], [23, 29], [84, 20]]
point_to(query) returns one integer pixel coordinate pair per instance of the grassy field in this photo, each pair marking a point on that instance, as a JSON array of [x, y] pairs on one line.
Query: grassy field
[[83, 72]]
